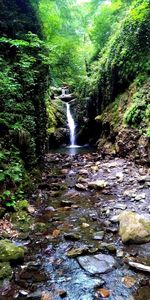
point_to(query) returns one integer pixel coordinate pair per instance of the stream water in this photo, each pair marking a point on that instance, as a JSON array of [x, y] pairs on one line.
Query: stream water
[[67, 216]]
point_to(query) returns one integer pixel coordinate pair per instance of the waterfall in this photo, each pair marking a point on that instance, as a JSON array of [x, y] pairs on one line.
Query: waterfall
[[71, 124]]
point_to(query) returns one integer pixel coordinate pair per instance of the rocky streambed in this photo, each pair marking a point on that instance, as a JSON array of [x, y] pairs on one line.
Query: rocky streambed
[[72, 232]]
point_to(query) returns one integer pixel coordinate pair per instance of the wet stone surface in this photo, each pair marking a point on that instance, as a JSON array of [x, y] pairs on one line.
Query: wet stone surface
[[72, 224]]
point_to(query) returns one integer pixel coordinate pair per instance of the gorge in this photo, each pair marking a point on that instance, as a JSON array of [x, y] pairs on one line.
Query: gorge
[[74, 220]]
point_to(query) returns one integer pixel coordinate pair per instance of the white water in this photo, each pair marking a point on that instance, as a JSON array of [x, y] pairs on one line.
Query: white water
[[71, 124]]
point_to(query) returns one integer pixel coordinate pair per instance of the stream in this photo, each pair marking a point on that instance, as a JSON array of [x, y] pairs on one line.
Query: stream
[[70, 221]]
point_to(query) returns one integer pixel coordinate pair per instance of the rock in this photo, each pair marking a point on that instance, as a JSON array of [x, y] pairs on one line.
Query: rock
[[72, 236], [77, 251], [5, 270], [120, 206], [140, 197], [138, 266], [9, 251], [103, 293], [120, 176], [97, 264], [35, 295], [85, 225], [120, 253], [66, 203], [80, 187], [50, 208], [134, 227], [98, 235], [129, 281], [144, 179], [62, 294], [114, 219], [83, 172], [31, 209], [97, 185], [111, 248]]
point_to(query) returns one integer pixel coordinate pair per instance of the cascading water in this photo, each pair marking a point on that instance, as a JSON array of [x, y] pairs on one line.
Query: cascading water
[[71, 124]]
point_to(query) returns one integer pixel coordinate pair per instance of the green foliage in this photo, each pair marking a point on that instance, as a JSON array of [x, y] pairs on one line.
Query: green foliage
[[138, 113], [125, 55]]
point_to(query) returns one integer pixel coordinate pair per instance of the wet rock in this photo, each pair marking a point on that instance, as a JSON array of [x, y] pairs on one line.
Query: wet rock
[[62, 294], [72, 236], [23, 293], [120, 253], [120, 206], [77, 251], [9, 251], [129, 281], [97, 264], [143, 293], [34, 275], [50, 208], [80, 187], [66, 203], [35, 295], [120, 176], [134, 227], [5, 270], [111, 248], [98, 236], [83, 172], [85, 225], [97, 185], [143, 179], [114, 219], [103, 293]]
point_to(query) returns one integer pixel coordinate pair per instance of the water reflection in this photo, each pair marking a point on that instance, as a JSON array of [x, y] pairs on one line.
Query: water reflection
[[73, 150]]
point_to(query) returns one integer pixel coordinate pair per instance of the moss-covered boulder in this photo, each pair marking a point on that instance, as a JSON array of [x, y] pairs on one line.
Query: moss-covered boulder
[[134, 228], [9, 251], [5, 270]]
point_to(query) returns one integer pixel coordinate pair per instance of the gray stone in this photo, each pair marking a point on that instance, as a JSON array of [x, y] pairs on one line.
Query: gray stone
[[97, 264], [98, 235]]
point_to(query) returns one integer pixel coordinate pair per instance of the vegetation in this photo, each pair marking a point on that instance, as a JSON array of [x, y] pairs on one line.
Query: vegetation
[[99, 48]]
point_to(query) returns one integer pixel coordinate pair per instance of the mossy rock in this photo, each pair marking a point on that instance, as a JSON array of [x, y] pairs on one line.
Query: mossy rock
[[9, 251], [22, 205], [5, 270], [40, 227], [21, 220]]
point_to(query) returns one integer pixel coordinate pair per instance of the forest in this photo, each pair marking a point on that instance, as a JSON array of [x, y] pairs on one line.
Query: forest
[[74, 149]]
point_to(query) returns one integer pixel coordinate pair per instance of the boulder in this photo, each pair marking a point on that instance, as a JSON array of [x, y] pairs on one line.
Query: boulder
[[134, 228], [9, 251]]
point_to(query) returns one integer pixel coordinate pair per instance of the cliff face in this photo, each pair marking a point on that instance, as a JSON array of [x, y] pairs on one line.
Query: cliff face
[[24, 80], [119, 85]]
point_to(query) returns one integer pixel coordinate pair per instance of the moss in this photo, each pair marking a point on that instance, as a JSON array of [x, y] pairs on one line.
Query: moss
[[22, 205], [5, 270], [21, 220], [9, 251]]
